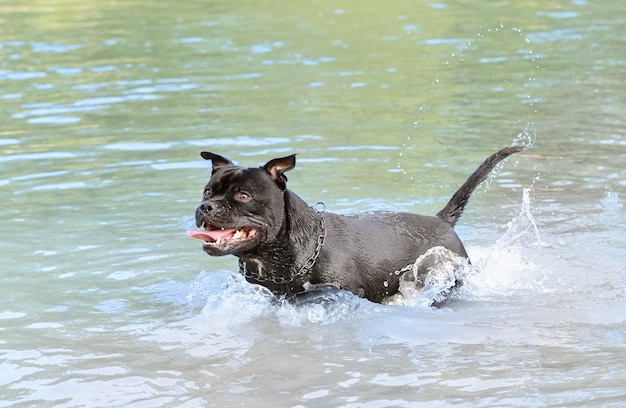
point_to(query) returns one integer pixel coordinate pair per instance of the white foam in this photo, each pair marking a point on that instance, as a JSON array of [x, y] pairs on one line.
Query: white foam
[[506, 267], [431, 278]]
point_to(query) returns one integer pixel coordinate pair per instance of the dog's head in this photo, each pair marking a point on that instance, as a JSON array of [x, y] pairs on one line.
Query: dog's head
[[241, 207]]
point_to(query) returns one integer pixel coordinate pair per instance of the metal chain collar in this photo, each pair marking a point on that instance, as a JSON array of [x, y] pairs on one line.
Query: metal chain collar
[[305, 268]]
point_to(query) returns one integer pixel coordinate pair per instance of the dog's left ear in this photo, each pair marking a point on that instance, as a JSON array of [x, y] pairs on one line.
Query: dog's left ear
[[276, 168], [217, 161]]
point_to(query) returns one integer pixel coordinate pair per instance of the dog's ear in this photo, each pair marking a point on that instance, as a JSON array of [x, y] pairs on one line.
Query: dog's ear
[[217, 161], [276, 168]]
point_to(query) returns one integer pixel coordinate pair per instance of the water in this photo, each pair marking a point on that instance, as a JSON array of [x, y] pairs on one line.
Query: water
[[106, 302]]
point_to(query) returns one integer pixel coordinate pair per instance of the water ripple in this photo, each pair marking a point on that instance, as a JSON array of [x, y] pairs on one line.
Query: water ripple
[[246, 141], [37, 156]]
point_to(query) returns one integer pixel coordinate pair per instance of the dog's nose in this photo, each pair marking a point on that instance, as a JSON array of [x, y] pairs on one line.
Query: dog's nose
[[202, 212], [205, 207]]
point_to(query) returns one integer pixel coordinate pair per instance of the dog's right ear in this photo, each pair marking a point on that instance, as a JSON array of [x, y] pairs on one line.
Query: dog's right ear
[[217, 161]]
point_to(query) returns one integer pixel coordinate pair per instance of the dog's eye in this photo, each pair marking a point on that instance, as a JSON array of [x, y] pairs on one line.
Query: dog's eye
[[243, 196]]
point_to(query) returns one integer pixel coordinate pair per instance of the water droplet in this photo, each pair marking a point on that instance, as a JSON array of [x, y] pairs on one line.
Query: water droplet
[[386, 284]]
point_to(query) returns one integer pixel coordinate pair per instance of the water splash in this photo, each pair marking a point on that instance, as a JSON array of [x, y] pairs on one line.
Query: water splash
[[234, 302], [431, 278], [503, 268], [522, 226], [321, 307], [239, 300], [526, 137], [611, 203], [499, 272]]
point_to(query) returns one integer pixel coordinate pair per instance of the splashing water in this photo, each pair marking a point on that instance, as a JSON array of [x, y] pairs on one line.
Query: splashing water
[[502, 268], [431, 278], [496, 270], [521, 225], [611, 203], [325, 306], [526, 137]]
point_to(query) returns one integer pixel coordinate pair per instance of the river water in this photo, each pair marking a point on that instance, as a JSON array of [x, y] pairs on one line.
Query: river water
[[106, 105]]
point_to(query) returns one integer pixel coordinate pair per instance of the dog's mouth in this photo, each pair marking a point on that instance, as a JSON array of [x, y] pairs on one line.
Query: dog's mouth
[[223, 237]]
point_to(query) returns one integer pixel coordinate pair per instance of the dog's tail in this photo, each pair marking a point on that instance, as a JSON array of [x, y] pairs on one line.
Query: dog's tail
[[453, 210]]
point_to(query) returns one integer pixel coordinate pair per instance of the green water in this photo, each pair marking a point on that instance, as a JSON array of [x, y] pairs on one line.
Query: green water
[[105, 107]]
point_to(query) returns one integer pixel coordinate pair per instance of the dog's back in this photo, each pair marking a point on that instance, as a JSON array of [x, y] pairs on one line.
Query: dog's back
[[368, 249]]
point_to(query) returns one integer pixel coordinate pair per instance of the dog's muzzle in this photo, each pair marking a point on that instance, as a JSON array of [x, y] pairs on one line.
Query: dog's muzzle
[[212, 213]]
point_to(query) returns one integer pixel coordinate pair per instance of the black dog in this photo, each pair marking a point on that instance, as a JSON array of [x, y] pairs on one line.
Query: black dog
[[285, 245]]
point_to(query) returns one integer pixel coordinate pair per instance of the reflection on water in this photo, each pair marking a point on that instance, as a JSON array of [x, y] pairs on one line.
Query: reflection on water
[[105, 302]]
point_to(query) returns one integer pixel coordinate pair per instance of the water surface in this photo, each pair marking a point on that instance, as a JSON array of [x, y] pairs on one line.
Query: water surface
[[106, 106]]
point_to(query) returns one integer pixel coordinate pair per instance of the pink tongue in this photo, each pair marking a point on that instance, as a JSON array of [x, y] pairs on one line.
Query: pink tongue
[[211, 236]]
